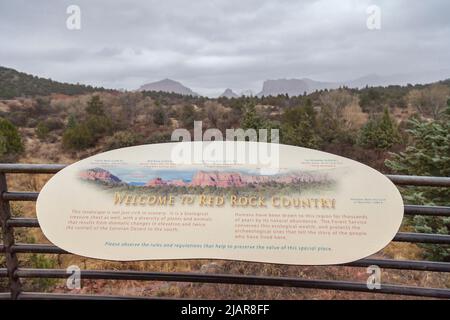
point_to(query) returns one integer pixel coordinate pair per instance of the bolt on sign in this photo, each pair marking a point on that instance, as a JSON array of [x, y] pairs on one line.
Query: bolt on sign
[[248, 201]]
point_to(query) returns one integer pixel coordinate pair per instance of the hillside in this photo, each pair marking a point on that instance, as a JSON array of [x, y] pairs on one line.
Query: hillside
[[15, 84]]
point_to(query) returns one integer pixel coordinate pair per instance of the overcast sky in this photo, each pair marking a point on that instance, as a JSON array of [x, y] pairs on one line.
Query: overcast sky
[[210, 45]]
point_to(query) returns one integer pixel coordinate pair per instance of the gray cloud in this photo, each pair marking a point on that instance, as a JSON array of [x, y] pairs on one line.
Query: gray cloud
[[213, 44]]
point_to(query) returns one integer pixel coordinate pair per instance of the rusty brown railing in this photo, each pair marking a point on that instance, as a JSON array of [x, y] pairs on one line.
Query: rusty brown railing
[[14, 272]]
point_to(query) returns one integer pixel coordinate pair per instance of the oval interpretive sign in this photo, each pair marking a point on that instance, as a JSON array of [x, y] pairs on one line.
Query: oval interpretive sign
[[247, 201]]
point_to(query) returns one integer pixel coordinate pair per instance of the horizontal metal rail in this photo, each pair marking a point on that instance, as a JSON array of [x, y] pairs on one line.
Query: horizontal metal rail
[[419, 181], [66, 296], [23, 223], [413, 210], [430, 266], [30, 168], [238, 280], [37, 248], [23, 248], [397, 179], [422, 238], [20, 196], [400, 237], [417, 210], [416, 265], [5, 295]]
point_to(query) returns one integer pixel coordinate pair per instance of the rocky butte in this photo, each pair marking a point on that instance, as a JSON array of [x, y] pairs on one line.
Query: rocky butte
[[99, 174]]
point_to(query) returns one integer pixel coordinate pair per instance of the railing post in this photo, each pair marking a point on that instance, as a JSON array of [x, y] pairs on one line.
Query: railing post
[[8, 240]]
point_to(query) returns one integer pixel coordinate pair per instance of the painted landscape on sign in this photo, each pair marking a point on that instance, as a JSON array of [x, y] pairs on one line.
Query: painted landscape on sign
[[211, 181]]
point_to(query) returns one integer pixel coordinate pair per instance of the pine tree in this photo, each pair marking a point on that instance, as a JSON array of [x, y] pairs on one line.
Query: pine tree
[[251, 119], [10, 141], [95, 107], [82, 135], [299, 127], [428, 155], [379, 133]]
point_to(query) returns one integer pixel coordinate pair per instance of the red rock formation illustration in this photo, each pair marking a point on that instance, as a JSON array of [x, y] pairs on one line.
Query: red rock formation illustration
[[210, 179], [236, 179], [99, 174]]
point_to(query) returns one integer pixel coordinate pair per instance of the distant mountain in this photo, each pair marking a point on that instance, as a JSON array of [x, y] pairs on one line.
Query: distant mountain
[[375, 80], [168, 85], [18, 84], [371, 80], [228, 93], [294, 87]]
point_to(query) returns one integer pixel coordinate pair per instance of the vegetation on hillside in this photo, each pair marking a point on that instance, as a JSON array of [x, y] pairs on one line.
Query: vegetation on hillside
[[15, 84]]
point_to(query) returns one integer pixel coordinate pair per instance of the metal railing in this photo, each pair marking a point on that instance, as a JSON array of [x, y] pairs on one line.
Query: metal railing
[[15, 273]]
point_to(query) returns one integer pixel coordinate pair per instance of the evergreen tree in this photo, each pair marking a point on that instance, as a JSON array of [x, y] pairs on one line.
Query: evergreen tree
[[299, 127], [252, 120], [428, 155], [71, 121], [79, 136], [188, 116], [159, 115], [379, 133], [10, 141], [95, 107]]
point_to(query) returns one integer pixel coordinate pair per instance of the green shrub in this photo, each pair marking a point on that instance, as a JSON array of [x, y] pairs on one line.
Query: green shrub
[[427, 155], [188, 116], [158, 137], [10, 141], [299, 127], [95, 107], [42, 130], [379, 133], [122, 139], [159, 116], [99, 126], [78, 137]]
